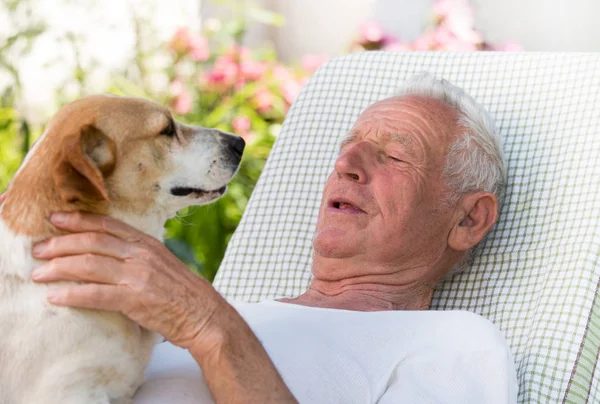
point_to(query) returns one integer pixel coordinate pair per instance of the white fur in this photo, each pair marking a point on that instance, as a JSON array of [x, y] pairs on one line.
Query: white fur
[[56, 346], [15, 253], [201, 164]]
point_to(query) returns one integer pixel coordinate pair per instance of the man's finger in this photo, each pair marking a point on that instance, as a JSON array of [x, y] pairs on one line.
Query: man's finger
[[81, 268], [82, 243], [88, 296], [2, 197], [89, 222]]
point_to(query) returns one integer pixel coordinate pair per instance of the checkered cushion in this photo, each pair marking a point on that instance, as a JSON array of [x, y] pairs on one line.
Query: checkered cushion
[[536, 276]]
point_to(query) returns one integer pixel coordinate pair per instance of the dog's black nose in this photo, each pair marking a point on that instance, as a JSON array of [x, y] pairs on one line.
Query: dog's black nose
[[236, 144]]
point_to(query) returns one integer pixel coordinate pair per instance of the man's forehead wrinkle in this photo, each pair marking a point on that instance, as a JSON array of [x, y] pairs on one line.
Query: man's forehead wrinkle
[[418, 107]]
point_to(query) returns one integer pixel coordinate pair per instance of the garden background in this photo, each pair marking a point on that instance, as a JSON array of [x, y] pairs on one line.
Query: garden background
[[215, 72]]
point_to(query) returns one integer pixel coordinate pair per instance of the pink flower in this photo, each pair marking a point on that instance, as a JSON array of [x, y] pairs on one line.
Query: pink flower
[[176, 87], [458, 18], [442, 36], [238, 52], [290, 90], [444, 39], [198, 47], [185, 42], [223, 74], [180, 40], [370, 32], [389, 40], [458, 46], [396, 47], [508, 47], [441, 8], [252, 70], [263, 100], [241, 124], [424, 42], [281, 73], [182, 104], [311, 63]]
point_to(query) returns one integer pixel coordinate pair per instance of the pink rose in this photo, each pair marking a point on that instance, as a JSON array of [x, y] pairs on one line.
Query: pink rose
[[185, 42], [281, 73], [441, 8], [176, 87], [311, 63], [179, 42], [290, 90], [396, 47], [263, 100], [241, 124], [370, 32], [222, 75], [508, 47], [238, 52], [252, 70], [424, 42], [198, 47], [182, 104]]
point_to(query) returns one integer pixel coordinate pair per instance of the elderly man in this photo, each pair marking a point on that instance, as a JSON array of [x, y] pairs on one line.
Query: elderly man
[[415, 187]]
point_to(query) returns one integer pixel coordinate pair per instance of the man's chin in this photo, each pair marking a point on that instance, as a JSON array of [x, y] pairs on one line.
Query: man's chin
[[333, 243]]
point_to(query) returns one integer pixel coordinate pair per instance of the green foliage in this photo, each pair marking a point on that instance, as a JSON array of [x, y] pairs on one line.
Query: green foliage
[[11, 145], [214, 82], [16, 40], [199, 235]]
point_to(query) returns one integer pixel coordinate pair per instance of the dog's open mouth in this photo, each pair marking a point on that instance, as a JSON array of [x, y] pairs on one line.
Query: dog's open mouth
[[197, 192]]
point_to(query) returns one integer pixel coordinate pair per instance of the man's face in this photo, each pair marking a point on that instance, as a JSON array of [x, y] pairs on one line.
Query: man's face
[[382, 204]]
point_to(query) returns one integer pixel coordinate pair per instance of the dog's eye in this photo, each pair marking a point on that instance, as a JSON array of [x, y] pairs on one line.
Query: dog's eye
[[169, 130]]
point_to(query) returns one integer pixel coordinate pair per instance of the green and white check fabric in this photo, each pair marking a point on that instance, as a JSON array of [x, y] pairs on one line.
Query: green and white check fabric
[[537, 274]]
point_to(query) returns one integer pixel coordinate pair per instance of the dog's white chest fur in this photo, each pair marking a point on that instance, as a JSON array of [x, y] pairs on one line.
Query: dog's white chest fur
[[52, 354]]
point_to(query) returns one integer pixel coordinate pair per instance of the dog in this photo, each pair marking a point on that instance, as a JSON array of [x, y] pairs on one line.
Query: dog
[[118, 156]]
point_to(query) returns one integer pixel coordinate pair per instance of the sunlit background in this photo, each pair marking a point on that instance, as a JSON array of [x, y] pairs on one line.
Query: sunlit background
[[237, 65]]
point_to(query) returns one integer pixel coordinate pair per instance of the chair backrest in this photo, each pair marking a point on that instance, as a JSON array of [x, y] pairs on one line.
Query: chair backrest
[[537, 275]]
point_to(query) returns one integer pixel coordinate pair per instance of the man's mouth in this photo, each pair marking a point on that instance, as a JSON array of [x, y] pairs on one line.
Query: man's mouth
[[197, 192], [344, 206]]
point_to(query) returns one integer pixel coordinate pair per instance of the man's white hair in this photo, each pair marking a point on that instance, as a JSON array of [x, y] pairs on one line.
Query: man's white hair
[[475, 161]]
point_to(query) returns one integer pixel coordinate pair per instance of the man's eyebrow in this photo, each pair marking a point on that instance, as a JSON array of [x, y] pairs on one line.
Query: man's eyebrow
[[405, 140], [349, 138]]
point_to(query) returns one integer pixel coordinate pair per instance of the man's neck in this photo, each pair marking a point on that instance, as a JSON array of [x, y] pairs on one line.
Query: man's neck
[[365, 296]]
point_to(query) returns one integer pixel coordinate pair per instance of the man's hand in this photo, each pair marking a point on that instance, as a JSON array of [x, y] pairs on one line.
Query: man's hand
[[127, 271]]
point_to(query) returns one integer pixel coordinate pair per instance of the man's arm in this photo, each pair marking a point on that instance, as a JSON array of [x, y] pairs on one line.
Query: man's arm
[[235, 364], [127, 271]]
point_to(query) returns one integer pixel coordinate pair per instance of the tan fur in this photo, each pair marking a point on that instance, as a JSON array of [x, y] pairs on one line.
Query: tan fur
[[115, 116]]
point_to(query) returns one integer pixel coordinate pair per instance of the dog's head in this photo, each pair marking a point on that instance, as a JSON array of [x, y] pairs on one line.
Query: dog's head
[[127, 157]]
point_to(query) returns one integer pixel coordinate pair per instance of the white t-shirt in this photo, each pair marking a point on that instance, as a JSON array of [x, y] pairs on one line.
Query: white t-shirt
[[341, 356]]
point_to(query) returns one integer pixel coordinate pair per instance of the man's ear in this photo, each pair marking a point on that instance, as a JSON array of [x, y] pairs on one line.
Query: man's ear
[[476, 215], [86, 158]]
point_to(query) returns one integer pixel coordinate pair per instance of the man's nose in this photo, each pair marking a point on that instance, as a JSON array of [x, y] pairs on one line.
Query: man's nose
[[352, 163]]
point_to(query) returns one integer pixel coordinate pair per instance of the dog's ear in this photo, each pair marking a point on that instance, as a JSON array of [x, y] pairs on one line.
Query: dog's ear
[[86, 158]]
